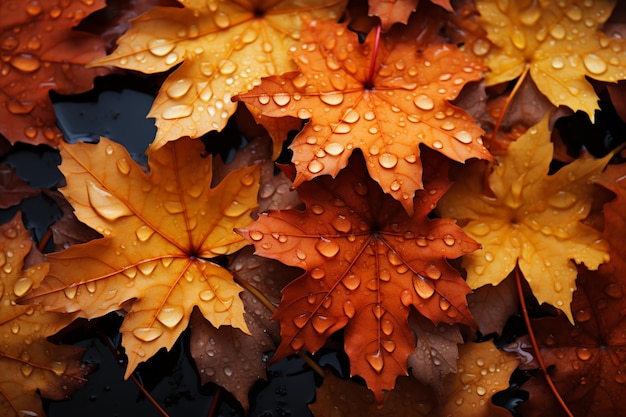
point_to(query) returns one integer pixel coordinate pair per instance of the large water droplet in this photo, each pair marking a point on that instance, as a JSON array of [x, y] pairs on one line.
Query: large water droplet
[[424, 102], [147, 334], [173, 207], [375, 360], [179, 88], [326, 247], [423, 288], [351, 282], [322, 323], [594, 64], [222, 20], [332, 99], [22, 285], [161, 47], [105, 203], [176, 112], [349, 309], [388, 160], [235, 209], [341, 224], [315, 166], [171, 316], [25, 62], [334, 148], [144, 233], [518, 39]]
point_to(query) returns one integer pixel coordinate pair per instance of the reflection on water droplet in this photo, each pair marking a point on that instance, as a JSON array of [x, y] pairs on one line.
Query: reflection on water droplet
[[424, 102], [221, 19], [179, 88], [315, 166], [322, 323], [147, 334], [317, 273], [332, 99], [375, 360], [349, 309], [144, 233], [207, 295], [388, 160], [171, 316], [326, 247], [26, 369], [22, 285], [173, 207], [177, 112], [423, 288], [161, 47], [351, 282], [595, 64], [105, 203], [562, 199]]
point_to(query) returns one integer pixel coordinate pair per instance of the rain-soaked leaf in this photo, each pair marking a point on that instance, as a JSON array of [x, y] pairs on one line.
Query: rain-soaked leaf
[[588, 358], [392, 11], [529, 218], [29, 363], [160, 233], [225, 48], [12, 188], [227, 356], [560, 42], [483, 370], [492, 305], [387, 109], [40, 52], [68, 230], [337, 397], [367, 262], [435, 354]]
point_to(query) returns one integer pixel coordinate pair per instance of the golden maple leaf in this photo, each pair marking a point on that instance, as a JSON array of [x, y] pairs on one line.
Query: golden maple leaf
[[559, 42], [225, 48], [385, 98], [28, 361], [159, 230], [530, 218]]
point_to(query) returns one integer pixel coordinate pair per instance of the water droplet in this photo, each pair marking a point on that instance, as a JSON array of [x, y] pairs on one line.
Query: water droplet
[[449, 240], [437, 144], [173, 207], [144, 233], [530, 15], [26, 369], [341, 224], [228, 371], [558, 62], [583, 353], [424, 102], [349, 309], [518, 39], [322, 323], [557, 31], [235, 209], [388, 345], [375, 360], [489, 256], [614, 291], [423, 288], [161, 47], [315, 166], [147, 334], [463, 137], [15, 327], [332, 99], [25, 62], [255, 235], [179, 88], [171, 316], [351, 282], [481, 47], [574, 13], [22, 285], [387, 327], [228, 67], [223, 305], [317, 273], [58, 368], [334, 148], [388, 160], [281, 99], [207, 295], [147, 268], [594, 64], [177, 112], [326, 247], [480, 390], [582, 315]]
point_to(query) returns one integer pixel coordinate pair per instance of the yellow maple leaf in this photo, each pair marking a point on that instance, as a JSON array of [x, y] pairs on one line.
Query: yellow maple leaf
[[529, 218], [225, 47], [160, 230], [559, 42]]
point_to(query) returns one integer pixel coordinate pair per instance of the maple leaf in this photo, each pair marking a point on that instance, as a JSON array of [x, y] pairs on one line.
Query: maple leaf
[[392, 11], [40, 52], [492, 306], [529, 218], [338, 397], [227, 356], [588, 358], [12, 188], [483, 370], [225, 48], [28, 361], [367, 261], [386, 113], [160, 232], [435, 354], [559, 42]]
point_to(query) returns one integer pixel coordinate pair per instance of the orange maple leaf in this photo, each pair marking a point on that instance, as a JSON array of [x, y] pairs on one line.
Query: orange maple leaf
[[558, 42], [386, 109], [529, 218], [367, 261], [28, 361], [41, 52], [160, 230], [225, 48]]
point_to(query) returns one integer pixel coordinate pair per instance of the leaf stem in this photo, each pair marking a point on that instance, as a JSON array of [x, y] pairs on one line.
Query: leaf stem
[[142, 389], [272, 308], [533, 341], [370, 75], [216, 401], [44, 240], [507, 104]]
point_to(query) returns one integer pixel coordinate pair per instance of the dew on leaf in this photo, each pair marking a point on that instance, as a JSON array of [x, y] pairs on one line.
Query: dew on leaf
[[349, 309], [334, 148], [301, 320], [207, 295], [22, 286], [161, 47], [315, 166], [387, 327], [375, 360], [322, 323], [223, 304], [388, 160], [424, 102], [595, 64], [171, 316], [144, 233], [351, 282], [147, 334], [424, 289], [26, 369], [173, 207], [317, 273], [332, 99], [179, 88], [177, 112], [25, 62], [147, 268], [281, 99]]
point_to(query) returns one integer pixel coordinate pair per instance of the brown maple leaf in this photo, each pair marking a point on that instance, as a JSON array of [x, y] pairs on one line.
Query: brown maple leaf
[[558, 42], [225, 48], [384, 98], [367, 261], [588, 358], [227, 356], [29, 363], [160, 233], [40, 52], [338, 397]]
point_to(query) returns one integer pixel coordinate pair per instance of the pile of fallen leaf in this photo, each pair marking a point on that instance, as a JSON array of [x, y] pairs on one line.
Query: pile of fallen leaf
[[431, 191]]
